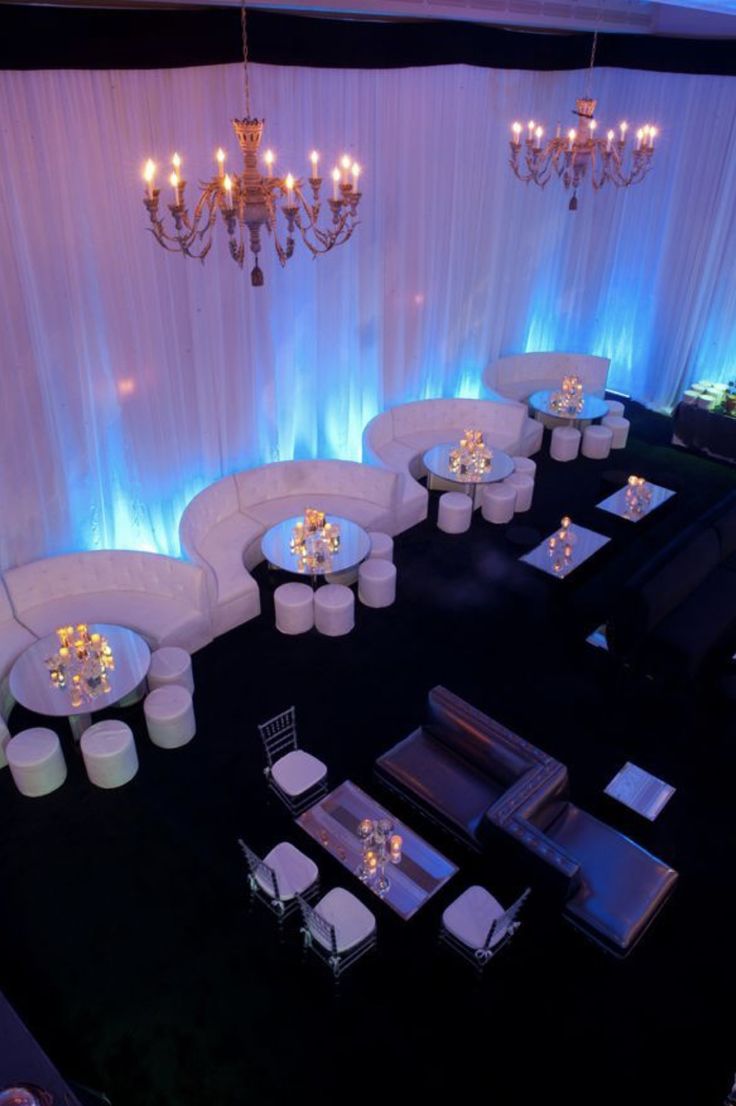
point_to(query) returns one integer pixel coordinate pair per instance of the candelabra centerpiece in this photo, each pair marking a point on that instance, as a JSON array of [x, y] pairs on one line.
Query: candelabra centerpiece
[[472, 457], [580, 155], [560, 546], [381, 846], [313, 541], [81, 663], [637, 496], [252, 201], [569, 400]]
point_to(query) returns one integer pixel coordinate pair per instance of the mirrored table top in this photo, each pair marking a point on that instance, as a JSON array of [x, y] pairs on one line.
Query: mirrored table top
[[437, 461], [354, 547], [31, 684], [418, 875], [585, 543], [593, 406], [617, 504]]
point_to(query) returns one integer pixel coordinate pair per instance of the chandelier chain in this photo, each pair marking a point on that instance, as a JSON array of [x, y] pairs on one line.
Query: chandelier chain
[[246, 81]]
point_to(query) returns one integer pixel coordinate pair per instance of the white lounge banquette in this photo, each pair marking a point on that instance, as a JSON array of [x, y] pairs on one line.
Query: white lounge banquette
[[163, 599], [518, 376], [398, 438], [222, 527]]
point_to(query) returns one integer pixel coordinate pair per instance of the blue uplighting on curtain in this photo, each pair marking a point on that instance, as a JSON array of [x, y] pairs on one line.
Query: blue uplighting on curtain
[[132, 378]]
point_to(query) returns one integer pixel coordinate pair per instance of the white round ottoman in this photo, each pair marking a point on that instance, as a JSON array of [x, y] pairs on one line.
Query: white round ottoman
[[455, 512], [334, 610], [377, 582], [523, 485], [170, 716], [109, 753], [294, 605], [525, 464], [619, 427], [615, 407], [565, 443], [597, 442], [36, 761], [498, 502], [170, 665], [382, 546]]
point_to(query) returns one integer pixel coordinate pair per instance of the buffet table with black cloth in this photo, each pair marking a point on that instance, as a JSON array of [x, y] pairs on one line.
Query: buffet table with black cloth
[[698, 428], [23, 1061], [474, 776]]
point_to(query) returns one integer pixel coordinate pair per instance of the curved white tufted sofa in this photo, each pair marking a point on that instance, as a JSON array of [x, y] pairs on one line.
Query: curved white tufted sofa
[[398, 438], [14, 638], [518, 376], [222, 527], [163, 599]]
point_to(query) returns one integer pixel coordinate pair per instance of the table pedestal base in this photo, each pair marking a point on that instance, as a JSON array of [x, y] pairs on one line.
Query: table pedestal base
[[78, 723]]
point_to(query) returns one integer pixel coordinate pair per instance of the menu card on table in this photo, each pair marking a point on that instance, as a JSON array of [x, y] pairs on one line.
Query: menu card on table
[[640, 791]]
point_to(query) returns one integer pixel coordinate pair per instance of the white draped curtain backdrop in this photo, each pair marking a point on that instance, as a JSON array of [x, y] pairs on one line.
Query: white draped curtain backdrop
[[132, 378]]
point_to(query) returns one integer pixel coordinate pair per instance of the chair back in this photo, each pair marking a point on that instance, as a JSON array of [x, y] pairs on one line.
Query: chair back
[[258, 868], [278, 735], [505, 926], [317, 928]]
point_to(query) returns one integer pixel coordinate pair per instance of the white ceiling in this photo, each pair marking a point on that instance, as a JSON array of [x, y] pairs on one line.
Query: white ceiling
[[688, 18]]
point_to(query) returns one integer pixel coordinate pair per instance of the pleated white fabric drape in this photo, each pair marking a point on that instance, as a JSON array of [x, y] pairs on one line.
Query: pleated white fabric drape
[[132, 378]]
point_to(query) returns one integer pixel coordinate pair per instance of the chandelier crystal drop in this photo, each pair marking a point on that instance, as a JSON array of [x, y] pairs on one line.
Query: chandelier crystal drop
[[249, 201], [581, 155]]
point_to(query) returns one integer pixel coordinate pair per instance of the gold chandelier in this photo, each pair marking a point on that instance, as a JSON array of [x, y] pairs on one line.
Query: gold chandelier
[[251, 200], [580, 155]]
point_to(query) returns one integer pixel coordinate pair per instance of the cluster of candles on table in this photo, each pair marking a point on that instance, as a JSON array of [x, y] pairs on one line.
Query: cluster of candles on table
[[314, 540], [81, 663], [569, 400], [638, 495], [560, 546], [381, 846], [472, 457]]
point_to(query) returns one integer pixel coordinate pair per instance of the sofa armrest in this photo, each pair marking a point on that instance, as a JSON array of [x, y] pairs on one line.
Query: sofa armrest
[[526, 809]]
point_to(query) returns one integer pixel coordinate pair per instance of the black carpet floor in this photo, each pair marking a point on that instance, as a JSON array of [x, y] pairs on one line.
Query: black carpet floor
[[127, 942]]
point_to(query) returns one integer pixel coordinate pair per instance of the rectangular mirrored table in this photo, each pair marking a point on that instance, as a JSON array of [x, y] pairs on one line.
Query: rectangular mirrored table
[[586, 543], [616, 504], [418, 875]]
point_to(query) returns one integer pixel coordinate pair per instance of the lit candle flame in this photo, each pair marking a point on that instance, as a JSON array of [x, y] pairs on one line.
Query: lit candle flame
[[356, 171], [176, 162], [149, 171]]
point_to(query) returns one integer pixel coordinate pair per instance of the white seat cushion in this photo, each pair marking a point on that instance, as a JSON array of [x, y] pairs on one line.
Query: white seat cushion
[[13, 640], [159, 619], [353, 922], [295, 872], [296, 772], [471, 915]]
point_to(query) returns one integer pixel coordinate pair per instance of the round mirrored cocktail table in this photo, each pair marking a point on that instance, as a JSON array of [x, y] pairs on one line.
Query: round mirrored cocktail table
[[32, 687], [593, 408], [437, 462], [354, 546]]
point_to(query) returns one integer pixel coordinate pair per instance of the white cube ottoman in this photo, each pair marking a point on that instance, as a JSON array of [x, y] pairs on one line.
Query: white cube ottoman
[[615, 407], [377, 582], [523, 485], [170, 716], [382, 545], [525, 464], [334, 610], [170, 665], [565, 443], [36, 761], [294, 606], [109, 753], [597, 442], [619, 427], [455, 513]]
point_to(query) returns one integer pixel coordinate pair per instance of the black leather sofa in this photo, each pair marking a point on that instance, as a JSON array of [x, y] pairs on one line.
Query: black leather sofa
[[478, 779], [677, 615]]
